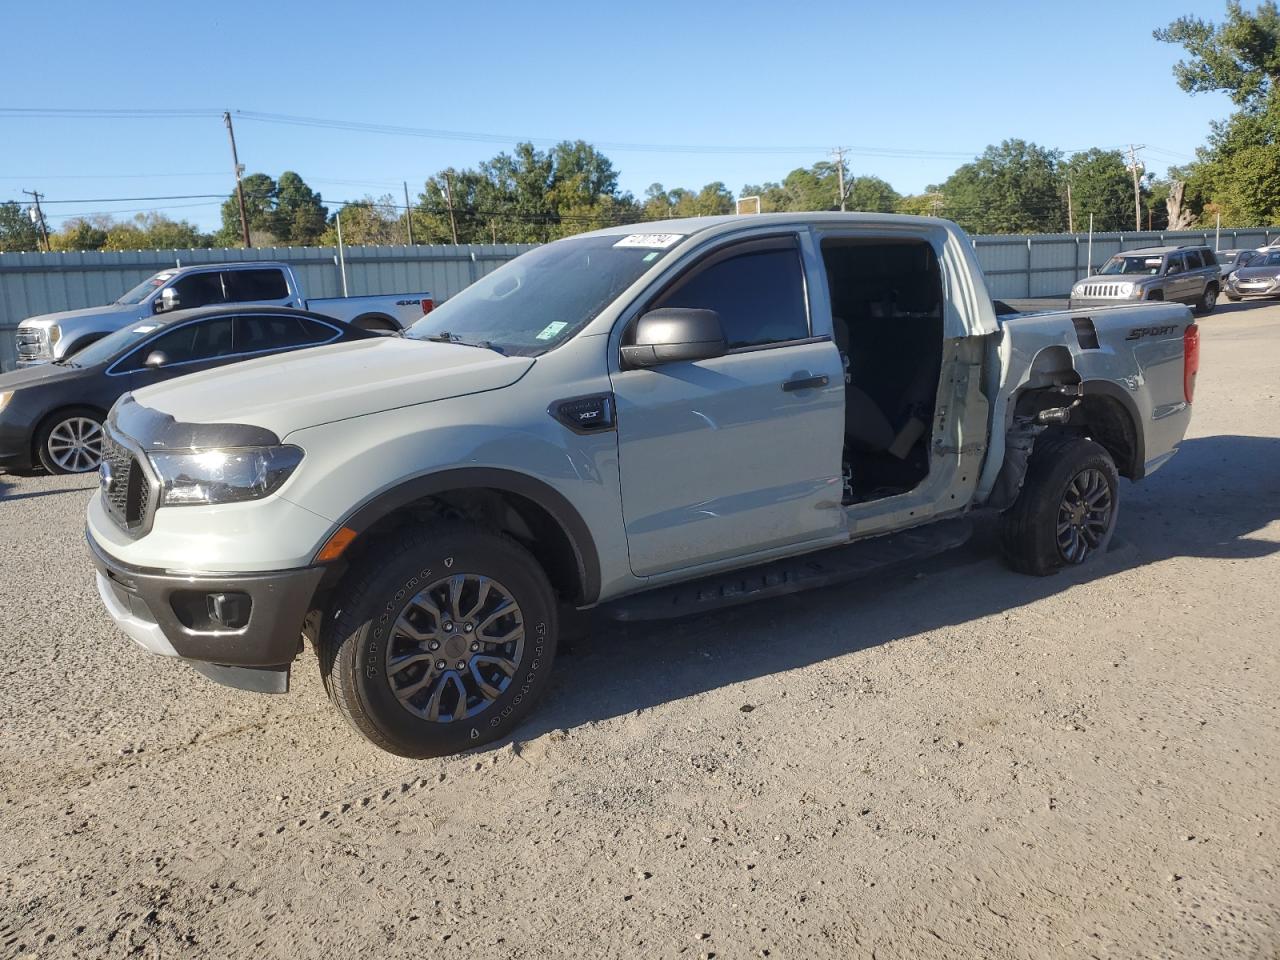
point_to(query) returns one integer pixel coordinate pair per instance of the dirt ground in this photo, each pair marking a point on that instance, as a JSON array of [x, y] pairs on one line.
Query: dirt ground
[[956, 762]]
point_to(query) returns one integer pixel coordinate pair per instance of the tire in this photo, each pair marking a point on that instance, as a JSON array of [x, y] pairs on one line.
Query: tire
[[386, 617], [70, 441], [1066, 474], [1208, 300]]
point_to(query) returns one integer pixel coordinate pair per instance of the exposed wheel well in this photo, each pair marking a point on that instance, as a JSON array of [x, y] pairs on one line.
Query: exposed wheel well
[[502, 511], [1106, 420], [81, 342]]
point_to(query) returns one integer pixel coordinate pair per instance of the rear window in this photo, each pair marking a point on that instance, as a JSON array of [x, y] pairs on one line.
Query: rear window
[[244, 286]]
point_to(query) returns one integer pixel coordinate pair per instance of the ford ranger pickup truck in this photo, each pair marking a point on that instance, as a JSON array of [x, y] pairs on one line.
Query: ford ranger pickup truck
[[57, 336], [656, 420]]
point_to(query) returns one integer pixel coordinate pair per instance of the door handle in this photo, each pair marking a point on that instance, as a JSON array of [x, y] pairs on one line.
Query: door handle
[[805, 383]]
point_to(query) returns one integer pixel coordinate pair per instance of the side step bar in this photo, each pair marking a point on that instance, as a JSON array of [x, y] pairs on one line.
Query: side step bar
[[780, 577]]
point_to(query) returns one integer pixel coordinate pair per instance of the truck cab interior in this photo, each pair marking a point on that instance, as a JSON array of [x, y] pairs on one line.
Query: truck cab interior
[[886, 307]]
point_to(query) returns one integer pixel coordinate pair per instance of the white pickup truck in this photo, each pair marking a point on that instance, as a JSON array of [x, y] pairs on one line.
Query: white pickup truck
[[56, 336]]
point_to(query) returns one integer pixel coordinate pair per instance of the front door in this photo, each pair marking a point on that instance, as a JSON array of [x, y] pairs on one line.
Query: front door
[[738, 454]]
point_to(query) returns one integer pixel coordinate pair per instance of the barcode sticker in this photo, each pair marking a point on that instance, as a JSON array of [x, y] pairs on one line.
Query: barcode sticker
[[651, 241]]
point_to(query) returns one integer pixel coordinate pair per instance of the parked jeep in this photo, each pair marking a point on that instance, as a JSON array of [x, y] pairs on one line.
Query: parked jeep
[[655, 420], [1188, 274]]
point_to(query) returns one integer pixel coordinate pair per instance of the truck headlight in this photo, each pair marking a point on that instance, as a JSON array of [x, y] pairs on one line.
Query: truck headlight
[[223, 475]]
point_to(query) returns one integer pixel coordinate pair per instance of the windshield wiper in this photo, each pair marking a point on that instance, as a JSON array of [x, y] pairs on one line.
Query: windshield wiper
[[444, 336], [65, 362]]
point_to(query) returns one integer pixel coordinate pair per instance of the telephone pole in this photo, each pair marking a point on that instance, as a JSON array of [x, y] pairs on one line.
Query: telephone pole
[[1137, 193], [839, 153], [39, 217], [408, 211], [235, 161], [448, 198]]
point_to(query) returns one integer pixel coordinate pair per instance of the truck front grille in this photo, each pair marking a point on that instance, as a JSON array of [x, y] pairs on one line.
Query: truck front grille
[[128, 494], [1103, 291], [30, 344]]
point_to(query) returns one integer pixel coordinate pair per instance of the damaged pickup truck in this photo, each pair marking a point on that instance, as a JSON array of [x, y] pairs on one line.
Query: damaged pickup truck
[[654, 420]]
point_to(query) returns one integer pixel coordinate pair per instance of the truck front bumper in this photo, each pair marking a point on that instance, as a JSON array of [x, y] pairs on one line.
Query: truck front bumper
[[243, 630]]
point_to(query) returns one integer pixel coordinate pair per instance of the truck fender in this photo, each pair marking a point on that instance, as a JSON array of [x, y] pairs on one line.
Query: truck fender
[[542, 495]]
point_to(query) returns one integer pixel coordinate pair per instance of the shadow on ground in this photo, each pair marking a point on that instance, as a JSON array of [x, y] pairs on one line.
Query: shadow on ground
[[1207, 502]]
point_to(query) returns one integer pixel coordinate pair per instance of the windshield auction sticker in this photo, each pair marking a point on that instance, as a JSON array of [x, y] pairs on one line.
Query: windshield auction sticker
[[651, 241]]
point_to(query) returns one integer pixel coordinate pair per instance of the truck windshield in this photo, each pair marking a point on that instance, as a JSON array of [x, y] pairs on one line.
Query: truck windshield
[[146, 288], [545, 296], [1148, 266]]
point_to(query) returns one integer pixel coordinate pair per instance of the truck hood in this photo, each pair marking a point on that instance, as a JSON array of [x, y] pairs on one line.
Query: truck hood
[[107, 310], [309, 387]]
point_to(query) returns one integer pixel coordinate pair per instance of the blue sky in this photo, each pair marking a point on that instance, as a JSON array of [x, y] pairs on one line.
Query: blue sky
[[915, 89]]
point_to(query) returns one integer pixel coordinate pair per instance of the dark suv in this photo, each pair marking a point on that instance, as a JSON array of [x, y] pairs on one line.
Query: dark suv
[[1187, 274]]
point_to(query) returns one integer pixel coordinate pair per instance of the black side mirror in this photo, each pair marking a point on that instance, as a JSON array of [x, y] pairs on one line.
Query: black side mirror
[[156, 358], [671, 334]]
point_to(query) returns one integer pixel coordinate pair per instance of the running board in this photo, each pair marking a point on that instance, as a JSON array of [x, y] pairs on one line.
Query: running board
[[835, 565]]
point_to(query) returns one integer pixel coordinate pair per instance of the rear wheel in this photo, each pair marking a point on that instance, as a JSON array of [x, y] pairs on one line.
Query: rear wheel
[[71, 441], [443, 641], [1066, 512], [375, 324], [1208, 300]]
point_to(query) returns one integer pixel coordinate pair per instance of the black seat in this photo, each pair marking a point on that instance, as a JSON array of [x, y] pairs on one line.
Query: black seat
[[866, 428]]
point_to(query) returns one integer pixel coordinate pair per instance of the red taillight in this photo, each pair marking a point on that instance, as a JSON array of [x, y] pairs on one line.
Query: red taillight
[[1190, 360], [427, 305]]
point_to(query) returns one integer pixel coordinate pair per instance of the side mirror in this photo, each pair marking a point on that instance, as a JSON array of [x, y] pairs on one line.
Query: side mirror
[[168, 300], [671, 334], [156, 358]]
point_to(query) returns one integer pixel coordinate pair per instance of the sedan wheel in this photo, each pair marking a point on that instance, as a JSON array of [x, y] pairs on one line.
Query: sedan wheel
[[72, 444]]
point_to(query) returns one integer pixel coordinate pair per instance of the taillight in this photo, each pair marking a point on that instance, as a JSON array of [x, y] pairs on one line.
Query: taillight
[[1190, 360], [427, 305]]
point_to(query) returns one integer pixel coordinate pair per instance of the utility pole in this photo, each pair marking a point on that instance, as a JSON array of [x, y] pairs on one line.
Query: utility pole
[[1071, 220], [448, 198], [235, 162], [39, 218], [839, 153], [408, 212], [1137, 192]]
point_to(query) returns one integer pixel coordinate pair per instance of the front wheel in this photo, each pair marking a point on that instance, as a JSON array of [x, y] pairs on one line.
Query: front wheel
[[443, 641], [1066, 512], [71, 441]]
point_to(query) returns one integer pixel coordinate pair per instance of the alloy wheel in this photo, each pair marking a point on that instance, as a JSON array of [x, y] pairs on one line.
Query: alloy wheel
[[454, 648], [1084, 516], [75, 444]]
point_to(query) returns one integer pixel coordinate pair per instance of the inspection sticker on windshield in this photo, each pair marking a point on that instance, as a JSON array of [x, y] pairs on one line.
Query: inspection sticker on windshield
[[551, 329], [651, 241]]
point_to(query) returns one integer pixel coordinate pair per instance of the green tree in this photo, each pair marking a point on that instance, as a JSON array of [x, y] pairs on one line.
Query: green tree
[[1240, 57], [1015, 187], [284, 212], [871, 194], [1100, 185], [299, 215], [17, 232], [367, 222], [81, 234]]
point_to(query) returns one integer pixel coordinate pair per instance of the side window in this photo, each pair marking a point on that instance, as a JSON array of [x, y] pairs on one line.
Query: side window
[[260, 332], [1175, 264], [759, 293], [206, 340], [199, 290], [245, 286], [1195, 260]]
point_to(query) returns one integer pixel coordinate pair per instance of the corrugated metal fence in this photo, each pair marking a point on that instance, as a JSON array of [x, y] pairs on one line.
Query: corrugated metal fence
[[33, 283]]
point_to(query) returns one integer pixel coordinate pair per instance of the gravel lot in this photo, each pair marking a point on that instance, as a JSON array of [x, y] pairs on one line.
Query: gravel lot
[[956, 762]]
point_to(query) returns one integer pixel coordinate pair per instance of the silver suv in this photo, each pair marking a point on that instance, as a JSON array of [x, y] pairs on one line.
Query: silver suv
[[1187, 274]]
